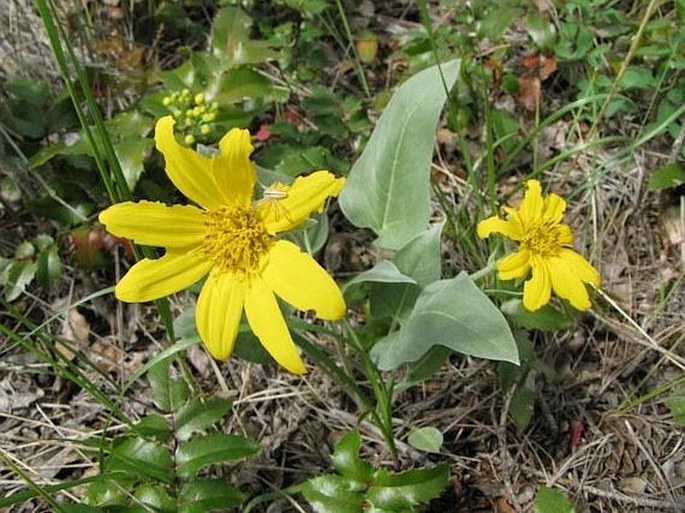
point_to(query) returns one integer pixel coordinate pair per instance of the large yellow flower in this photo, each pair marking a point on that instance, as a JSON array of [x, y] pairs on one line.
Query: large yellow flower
[[545, 248], [230, 238]]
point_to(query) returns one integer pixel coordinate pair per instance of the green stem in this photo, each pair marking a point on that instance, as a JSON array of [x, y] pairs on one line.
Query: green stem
[[382, 414], [479, 274]]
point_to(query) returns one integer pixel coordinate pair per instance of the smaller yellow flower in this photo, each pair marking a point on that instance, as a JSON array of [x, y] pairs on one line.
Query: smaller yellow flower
[[545, 250]]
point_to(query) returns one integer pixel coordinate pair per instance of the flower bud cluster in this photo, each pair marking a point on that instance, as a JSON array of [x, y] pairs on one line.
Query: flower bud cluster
[[193, 114]]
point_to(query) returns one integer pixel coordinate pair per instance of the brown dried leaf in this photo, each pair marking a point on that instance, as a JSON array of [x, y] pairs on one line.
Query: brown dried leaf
[[530, 92]]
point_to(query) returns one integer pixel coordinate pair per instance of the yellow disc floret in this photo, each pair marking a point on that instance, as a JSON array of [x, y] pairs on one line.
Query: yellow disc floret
[[235, 239], [544, 238]]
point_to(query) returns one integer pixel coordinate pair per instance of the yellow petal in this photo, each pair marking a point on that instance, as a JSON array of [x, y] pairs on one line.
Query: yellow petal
[[569, 271], [218, 311], [155, 224], [554, 208], [531, 207], [515, 265], [565, 234], [234, 173], [189, 171], [301, 281], [152, 279], [267, 323], [581, 267], [537, 290], [511, 228], [306, 195]]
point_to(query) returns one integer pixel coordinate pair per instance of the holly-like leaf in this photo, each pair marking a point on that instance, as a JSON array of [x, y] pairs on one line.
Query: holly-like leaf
[[204, 495], [196, 416], [153, 426], [334, 494], [346, 458], [198, 452], [403, 491], [142, 458]]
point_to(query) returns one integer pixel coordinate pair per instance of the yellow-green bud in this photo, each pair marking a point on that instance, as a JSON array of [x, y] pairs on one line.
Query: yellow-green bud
[[185, 92], [208, 118], [197, 111], [166, 101], [204, 129], [200, 98], [187, 122], [215, 105], [189, 139]]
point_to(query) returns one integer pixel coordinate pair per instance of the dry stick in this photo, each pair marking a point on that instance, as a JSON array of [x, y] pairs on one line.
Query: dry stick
[[622, 497], [655, 466], [651, 343]]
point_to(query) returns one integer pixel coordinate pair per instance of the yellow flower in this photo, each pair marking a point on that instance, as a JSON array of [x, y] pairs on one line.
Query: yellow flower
[[545, 249], [231, 239]]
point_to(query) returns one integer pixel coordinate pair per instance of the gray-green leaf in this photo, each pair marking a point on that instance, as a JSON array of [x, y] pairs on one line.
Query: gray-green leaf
[[454, 313], [388, 187]]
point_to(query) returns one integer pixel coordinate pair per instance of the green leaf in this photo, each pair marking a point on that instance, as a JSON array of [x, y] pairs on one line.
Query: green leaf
[[153, 426], [541, 30], [546, 318], [9, 190], [637, 77], [143, 459], [384, 271], [155, 498], [420, 258], [405, 490], [427, 439], [109, 491], [497, 20], [198, 452], [334, 494], [393, 300], [16, 276], [668, 176], [196, 416], [424, 367], [168, 394], [388, 187], [676, 403], [49, 267], [548, 500], [203, 495], [521, 406], [131, 153], [346, 458], [238, 85], [454, 313], [231, 43]]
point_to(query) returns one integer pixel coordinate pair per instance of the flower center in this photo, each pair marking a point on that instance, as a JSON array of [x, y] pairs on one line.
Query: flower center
[[235, 239], [544, 238]]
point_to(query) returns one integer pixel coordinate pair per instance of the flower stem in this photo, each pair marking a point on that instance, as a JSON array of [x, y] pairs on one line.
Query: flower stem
[[481, 273], [382, 413]]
